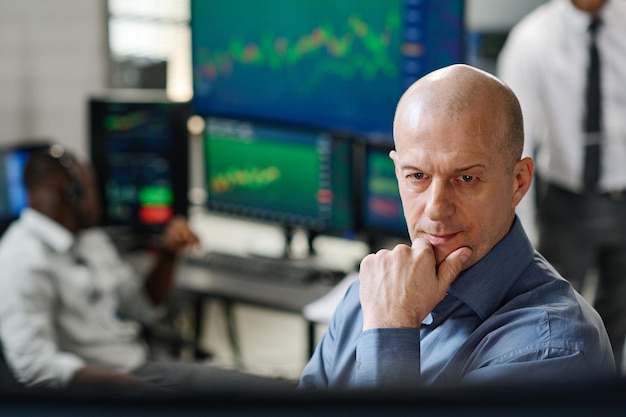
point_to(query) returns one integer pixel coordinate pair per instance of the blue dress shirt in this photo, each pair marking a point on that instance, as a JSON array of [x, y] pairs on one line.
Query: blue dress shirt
[[510, 317]]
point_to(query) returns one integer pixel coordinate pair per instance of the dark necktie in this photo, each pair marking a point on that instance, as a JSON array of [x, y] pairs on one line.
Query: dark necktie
[[593, 114]]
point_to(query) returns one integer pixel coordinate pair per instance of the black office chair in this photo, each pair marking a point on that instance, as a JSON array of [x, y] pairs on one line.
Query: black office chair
[[7, 380], [165, 336]]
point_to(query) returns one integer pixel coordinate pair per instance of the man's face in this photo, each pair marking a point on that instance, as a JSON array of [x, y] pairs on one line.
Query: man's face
[[456, 184], [589, 6]]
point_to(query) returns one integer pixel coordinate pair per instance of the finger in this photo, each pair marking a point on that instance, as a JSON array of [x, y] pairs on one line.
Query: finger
[[451, 267], [419, 243]]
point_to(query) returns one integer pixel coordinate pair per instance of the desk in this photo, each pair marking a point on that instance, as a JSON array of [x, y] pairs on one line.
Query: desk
[[202, 283], [238, 236]]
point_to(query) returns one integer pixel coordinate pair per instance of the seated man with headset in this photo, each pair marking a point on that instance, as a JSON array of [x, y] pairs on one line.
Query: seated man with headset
[[69, 307]]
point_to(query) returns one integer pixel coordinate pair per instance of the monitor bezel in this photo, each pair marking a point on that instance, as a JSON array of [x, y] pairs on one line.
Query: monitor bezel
[[30, 146], [335, 138]]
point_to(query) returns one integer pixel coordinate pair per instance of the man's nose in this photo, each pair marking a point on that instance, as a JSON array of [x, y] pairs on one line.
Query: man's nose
[[440, 200]]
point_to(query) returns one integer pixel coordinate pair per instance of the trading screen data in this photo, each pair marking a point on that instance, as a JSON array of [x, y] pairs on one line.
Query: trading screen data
[[338, 65], [291, 176], [382, 206], [137, 148]]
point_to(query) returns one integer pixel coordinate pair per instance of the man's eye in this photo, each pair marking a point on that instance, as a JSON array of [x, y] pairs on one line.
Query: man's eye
[[468, 178], [418, 176]]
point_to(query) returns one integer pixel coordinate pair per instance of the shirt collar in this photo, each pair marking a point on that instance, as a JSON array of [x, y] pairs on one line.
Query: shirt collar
[[57, 237], [485, 284], [579, 19]]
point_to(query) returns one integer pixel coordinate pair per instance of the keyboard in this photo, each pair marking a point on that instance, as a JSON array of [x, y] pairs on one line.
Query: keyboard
[[265, 269]]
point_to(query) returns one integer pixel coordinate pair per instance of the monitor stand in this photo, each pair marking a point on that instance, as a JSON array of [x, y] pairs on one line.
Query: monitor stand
[[289, 232]]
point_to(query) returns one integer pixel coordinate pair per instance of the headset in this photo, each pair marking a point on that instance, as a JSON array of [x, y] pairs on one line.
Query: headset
[[74, 191]]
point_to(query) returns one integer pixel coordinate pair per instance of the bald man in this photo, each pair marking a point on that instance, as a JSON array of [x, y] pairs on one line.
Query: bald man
[[470, 301]]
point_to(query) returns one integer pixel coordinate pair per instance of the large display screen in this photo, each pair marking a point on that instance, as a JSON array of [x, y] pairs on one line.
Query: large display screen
[[287, 175], [338, 65]]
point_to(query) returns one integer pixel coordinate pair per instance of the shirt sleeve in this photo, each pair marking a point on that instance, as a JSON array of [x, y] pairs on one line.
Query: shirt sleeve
[[348, 357], [316, 373], [388, 358], [536, 344], [133, 302], [549, 364], [331, 363], [28, 334]]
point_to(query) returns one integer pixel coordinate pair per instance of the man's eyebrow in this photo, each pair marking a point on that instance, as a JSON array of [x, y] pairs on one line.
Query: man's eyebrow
[[470, 167], [460, 169], [408, 166]]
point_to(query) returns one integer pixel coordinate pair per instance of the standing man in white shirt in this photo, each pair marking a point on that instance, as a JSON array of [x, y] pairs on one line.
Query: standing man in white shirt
[[566, 62]]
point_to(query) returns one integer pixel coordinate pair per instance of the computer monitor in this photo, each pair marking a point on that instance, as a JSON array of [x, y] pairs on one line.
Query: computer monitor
[[13, 195], [381, 207], [139, 149], [338, 65], [292, 176]]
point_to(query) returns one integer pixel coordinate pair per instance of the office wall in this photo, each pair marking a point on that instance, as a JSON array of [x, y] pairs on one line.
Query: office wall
[[497, 15], [53, 54]]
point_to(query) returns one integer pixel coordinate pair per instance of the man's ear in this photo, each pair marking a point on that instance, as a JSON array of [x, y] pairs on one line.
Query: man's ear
[[523, 176], [393, 155]]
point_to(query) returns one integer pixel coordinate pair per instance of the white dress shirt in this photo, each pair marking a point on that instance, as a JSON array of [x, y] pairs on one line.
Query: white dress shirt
[[62, 303], [544, 61]]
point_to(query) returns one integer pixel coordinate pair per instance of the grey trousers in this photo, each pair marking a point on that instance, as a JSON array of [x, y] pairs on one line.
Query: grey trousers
[[190, 377]]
